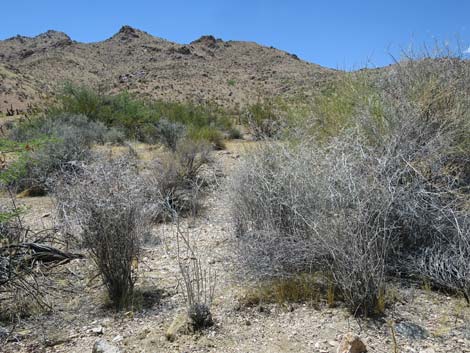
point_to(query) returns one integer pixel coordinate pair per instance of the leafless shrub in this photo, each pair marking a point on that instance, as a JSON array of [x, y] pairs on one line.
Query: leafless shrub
[[113, 237], [387, 196], [191, 156], [198, 281], [307, 209], [27, 265], [175, 182], [106, 202], [110, 204], [445, 263], [428, 146], [15, 282]]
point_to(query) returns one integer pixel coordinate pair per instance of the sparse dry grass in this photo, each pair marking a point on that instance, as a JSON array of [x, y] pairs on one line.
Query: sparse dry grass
[[306, 288]]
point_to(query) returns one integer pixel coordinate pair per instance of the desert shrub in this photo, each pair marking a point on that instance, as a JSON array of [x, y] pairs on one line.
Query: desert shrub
[[57, 125], [66, 140], [10, 224], [445, 263], [279, 117], [429, 133], [197, 279], [175, 182], [79, 101], [109, 204], [140, 119], [113, 236], [235, 134], [191, 156], [306, 209], [105, 201], [383, 194], [263, 120], [114, 136], [170, 133], [53, 144], [341, 103], [208, 134]]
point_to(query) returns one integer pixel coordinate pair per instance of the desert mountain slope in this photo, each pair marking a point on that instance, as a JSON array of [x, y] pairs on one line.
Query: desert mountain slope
[[230, 73]]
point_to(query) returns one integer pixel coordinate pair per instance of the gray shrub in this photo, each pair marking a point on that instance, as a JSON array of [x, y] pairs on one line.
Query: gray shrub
[[105, 203], [387, 196]]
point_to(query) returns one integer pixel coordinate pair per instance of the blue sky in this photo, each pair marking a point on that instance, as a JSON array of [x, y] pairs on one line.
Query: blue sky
[[338, 34]]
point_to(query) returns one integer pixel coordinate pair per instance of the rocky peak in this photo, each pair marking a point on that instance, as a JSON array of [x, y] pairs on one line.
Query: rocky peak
[[49, 37], [54, 35], [52, 39], [208, 41], [127, 33], [17, 38]]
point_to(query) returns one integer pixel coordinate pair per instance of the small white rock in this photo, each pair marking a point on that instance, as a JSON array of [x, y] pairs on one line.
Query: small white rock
[[97, 330], [102, 346], [118, 338]]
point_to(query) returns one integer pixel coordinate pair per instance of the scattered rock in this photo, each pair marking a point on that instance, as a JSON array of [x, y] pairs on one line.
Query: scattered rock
[[3, 333], [351, 344], [185, 50], [118, 338], [97, 330], [56, 338], [332, 343], [465, 331], [411, 330], [103, 346]]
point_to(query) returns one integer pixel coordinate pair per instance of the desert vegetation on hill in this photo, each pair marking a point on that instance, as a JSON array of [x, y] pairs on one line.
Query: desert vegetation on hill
[[229, 73], [151, 122]]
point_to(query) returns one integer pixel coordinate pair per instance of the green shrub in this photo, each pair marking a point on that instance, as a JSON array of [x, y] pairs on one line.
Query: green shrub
[[66, 140], [140, 119], [263, 120], [209, 134], [87, 131], [340, 105], [114, 136], [235, 134]]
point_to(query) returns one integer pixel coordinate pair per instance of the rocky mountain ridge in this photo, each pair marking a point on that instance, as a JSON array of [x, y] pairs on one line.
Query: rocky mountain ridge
[[229, 73]]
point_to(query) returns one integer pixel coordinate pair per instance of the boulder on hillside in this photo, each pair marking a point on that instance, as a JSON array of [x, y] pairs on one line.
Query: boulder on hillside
[[351, 344], [103, 346], [208, 41]]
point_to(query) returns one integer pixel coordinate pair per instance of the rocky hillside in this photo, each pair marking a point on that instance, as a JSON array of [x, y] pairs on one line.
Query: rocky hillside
[[230, 73]]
